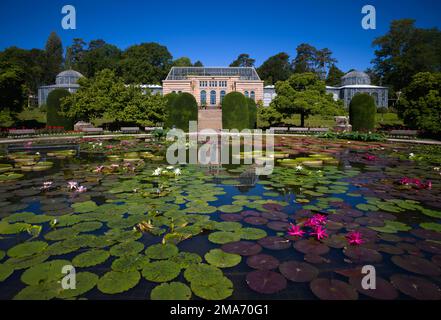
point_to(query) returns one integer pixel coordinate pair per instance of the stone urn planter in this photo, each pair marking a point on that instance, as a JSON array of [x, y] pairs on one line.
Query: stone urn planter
[[342, 124]]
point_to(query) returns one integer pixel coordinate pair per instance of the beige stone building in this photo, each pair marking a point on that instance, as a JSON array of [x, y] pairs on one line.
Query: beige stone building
[[209, 85]]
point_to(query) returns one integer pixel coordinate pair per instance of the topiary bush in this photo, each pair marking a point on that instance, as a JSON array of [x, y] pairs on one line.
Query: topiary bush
[[183, 108], [362, 110], [171, 98], [54, 118], [235, 111], [252, 113]]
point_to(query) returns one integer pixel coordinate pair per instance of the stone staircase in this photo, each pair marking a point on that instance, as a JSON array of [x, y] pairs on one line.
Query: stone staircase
[[210, 119]]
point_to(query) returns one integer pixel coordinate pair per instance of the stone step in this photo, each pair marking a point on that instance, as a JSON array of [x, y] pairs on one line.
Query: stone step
[[210, 119]]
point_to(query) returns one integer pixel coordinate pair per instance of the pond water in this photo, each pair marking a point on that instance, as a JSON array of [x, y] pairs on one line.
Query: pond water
[[221, 232]]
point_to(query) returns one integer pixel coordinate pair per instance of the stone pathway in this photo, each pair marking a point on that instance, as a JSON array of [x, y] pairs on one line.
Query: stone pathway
[[210, 119]]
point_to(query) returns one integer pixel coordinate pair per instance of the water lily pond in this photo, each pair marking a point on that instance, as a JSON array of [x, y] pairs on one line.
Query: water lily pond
[[136, 228]]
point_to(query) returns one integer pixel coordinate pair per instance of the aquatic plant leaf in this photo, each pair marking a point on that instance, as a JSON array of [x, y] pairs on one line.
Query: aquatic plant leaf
[[221, 237], [362, 254], [128, 263], [219, 290], [42, 291], [161, 271], [243, 248], [87, 226], [265, 281], [85, 281], [416, 287], [126, 248], [161, 251], [384, 290], [311, 246], [5, 271], [116, 282], [83, 207], [61, 234], [251, 233], [431, 226], [90, 258], [416, 265], [228, 226], [263, 262], [2, 254], [171, 291], [44, 272], [230, 208], [332, 289], [221, 259], [203, 273], [298, 271], [186, 259], [12, 228], [27, 249]]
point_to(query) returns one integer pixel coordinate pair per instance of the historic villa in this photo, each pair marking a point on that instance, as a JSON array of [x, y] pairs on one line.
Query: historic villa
[[210, 85]]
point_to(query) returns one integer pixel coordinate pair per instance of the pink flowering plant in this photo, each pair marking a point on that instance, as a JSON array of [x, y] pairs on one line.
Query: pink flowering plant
[[414, 183]]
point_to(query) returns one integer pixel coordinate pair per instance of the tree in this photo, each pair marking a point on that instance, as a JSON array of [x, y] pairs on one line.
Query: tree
[[305, 60], [323, 62], [268, 116], [145, 63], [12, 89], [184, 108], [305, 94], [198, 64], [54, 57], [169, 108], [362, 111], [276, 68], [420, 103], [182, 62], [54, 118], [243, 60], [334, 76], [252, 113], [235, 111], [74, 54], [404, 51]]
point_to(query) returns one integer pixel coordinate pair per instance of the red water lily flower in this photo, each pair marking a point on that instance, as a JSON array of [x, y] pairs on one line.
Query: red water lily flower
[[295, 231], [354, 238], [319, 232]]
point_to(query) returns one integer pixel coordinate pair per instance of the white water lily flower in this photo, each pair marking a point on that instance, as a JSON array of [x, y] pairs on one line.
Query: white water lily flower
[[169, 168], [411, 155], [177, 172], [157, 172], [299, 168]]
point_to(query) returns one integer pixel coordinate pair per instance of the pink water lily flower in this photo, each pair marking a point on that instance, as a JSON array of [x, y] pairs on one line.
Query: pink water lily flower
[[320, 218], [295, 231], [370, 157], [354, 238], [319, 232], [99, 169], [46, 185], [81, 189]]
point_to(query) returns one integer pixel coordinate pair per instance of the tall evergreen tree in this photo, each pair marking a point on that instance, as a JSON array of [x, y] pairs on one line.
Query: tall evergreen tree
[[54, 57], [275, 68], [243, 60], [334, 76]]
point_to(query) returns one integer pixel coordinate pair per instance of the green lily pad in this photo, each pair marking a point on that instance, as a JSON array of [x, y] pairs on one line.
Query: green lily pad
[[2, 254], [428, 212], [44, 272], [428, 226], [171, 291], [86, 206], [222, 237], [126, 248], [252, 233], [5, 271], [221, 259], [116, 282], [85, 281], [230, 208], [90, 258], [392, 227], [228, 226], [26, 262], [221, 289], [161, 271], [43, 291], [130, 263], [203, 273], [61, 234], [186, 259], [161, 251], [14, 228], [27, 249], [87, 226]]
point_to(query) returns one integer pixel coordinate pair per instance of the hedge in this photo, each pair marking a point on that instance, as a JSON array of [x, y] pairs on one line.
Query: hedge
[[171, 98], [252, 113], [54, 118], [362, 112], [235, 111], [183, 108]]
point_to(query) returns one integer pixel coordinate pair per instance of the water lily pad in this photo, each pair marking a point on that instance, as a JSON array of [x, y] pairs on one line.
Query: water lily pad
[[426, 234], [186, 259], [265, 281], [26, 262], [278, 225], [203, 273], [332, 289], [12, 228], [311, 246], [85, 281], [90, 258], [416, 287], [27, 249], [256, 221], [383, 289], [61, 234], [231, 217], [243, 248], [161, 251], [263, 262], [126, 248], [171, 291], [228, 226], [221, 259], [2, 254], [221, 237], [429, 246], [43, 291], [116, 282], [230, 208], [5, 271], [161, 271], [361, 254], [44, 272], [87, 226], [252, 233], [417, 265], [86, 206], [275, 243], [298, 271], [219, 290], [130, 263]]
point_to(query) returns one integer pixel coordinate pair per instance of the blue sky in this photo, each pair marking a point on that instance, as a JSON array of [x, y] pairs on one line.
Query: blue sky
[[215, 32]]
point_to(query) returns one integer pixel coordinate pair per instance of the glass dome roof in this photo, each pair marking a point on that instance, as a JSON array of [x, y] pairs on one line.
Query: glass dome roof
[[355, 77], [68, 77]]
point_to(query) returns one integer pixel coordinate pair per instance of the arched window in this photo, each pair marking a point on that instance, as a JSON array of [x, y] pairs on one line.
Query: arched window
[[213, 97], [253, 95], [203, 97], [222, 95], [247, 94]]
